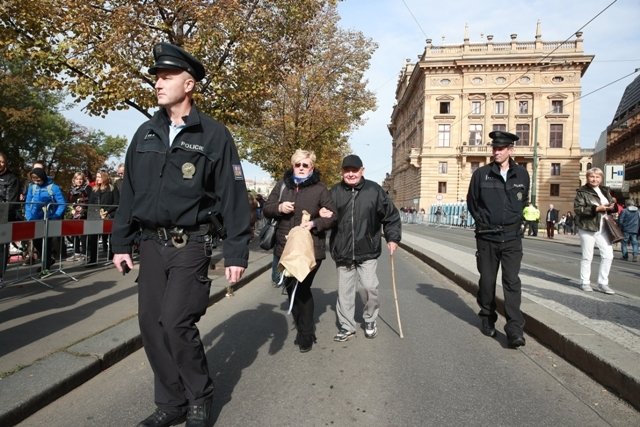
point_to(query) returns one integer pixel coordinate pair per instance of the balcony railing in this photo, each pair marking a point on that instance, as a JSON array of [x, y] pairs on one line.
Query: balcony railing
[[485, 150]]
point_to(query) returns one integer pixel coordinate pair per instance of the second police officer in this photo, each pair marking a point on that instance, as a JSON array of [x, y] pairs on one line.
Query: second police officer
[[498, 193]]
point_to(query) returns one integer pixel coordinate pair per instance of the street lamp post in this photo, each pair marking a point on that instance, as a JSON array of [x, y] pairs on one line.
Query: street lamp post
[[535, 162]]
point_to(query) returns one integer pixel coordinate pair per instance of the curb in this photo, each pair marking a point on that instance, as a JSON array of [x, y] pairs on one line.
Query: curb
[[579, 345]]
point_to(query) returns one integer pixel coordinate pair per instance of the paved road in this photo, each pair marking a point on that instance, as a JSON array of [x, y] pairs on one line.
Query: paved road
[[443, 372]]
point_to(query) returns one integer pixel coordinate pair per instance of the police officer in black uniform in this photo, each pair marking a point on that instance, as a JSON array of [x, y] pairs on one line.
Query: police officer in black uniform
[[498, 193], [183, 181]]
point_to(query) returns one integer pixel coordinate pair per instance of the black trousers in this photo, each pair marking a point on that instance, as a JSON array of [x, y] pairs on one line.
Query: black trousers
[[173, 293], [303, 305], [489, 257], [533, 228]]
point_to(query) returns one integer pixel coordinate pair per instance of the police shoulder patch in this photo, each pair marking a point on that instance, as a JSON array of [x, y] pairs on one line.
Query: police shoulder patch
[[237, 173]]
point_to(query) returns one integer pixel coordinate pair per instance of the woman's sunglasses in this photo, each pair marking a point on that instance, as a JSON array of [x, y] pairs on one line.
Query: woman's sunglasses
[[304, 165]]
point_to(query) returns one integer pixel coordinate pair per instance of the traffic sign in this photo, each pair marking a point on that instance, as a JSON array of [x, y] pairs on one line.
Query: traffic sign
[[614, 176]]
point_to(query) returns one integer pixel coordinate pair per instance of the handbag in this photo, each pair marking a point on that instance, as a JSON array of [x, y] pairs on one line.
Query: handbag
[[268, 232], [614, 233]]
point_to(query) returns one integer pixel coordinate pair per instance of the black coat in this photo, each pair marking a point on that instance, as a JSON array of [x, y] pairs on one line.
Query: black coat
[[184, 183], [364, 212], [310, 195]]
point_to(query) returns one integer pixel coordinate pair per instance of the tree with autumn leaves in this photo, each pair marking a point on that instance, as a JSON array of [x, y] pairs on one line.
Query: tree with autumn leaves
[[280, 73]]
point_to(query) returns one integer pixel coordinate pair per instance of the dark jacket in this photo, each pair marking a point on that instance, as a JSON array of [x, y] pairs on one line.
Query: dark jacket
[[584, 206], [551, 215], [497, 205], [107, 199], [9, 193], [310, 195], [79, 197], [364, 212], [184, 184]]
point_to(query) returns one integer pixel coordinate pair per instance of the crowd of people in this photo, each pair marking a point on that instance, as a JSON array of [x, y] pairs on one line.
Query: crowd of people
[[39, 197]]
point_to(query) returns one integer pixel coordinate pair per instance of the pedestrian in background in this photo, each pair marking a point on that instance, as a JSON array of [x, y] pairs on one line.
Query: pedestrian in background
[[531, 216], [498, 193], [628, 222], [78, 198], [303, 191], [183, 179], [364, 213], [591, 204], [551, 218], [569, 223], [44, 197], [9, 193], [105, 197]]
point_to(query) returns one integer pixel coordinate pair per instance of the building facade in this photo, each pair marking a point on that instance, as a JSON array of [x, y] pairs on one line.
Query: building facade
[[449, 101], [623, 139]]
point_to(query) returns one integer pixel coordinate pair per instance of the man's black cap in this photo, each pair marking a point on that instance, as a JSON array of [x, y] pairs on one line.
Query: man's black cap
[[502, 139], [351, 161], [173, 57]]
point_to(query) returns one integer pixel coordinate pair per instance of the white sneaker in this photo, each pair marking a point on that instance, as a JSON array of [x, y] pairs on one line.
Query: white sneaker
[[586, 287], [606, 289]]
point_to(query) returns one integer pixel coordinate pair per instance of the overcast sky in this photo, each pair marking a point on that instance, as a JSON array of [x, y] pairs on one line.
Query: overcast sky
[[400, 28]]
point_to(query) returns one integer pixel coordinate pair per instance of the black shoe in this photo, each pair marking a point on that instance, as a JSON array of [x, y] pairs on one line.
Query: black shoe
[[163, 419], [305, 342], [199, 415], [488, 327], [516, 341]]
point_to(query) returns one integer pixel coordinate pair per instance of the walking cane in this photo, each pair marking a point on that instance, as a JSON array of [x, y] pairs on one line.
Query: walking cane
[[395, 294]]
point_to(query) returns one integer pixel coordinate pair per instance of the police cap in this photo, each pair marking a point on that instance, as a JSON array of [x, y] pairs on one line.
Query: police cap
[[502, 139], [173, 57]]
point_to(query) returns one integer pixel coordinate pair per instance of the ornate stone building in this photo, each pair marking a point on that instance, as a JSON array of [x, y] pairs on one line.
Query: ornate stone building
[[455, 95]]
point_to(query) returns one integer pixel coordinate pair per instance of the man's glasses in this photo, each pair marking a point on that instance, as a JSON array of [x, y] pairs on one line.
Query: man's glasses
[[304, 165]]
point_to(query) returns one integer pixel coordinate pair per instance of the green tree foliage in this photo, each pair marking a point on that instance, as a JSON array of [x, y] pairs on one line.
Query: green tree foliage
[[32, 128], [255, 53]]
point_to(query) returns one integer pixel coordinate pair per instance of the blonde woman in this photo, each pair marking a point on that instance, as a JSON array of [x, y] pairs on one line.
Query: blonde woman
[[302, 191], [593, 201]]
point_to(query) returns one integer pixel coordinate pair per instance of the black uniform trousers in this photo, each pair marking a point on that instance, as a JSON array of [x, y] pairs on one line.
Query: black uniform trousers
[[303, 305], [173, 293], [489, 257]]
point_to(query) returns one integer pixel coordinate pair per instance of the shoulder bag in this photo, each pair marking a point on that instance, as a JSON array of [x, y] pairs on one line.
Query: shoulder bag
[[268, 232], [612, 230]]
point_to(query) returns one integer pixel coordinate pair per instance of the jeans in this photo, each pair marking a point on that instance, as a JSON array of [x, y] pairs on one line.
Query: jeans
[[634, 244]]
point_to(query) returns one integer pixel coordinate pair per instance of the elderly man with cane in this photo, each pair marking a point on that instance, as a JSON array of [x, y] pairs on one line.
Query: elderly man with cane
[[364, 212]]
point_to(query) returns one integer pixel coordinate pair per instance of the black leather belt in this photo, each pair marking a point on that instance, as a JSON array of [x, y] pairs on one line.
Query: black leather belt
[[178, 235]]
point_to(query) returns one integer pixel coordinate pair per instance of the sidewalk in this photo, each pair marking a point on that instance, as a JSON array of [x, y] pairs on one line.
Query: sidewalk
[[598, 333], [52, 340]]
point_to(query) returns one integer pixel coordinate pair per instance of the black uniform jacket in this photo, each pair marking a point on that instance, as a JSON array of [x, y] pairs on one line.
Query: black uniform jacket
[[364, 211], [9, 191], [496, 204], [184, 185]]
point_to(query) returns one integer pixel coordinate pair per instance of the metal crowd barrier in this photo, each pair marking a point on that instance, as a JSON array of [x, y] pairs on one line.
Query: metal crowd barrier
[[17, 248]]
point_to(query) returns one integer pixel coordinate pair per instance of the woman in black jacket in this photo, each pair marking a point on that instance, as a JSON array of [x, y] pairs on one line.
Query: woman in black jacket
[[302, 191], [106, 197]]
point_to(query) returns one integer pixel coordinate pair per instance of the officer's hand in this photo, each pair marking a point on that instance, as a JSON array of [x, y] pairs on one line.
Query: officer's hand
[[118, 258], [392, 246], [233, 274]]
